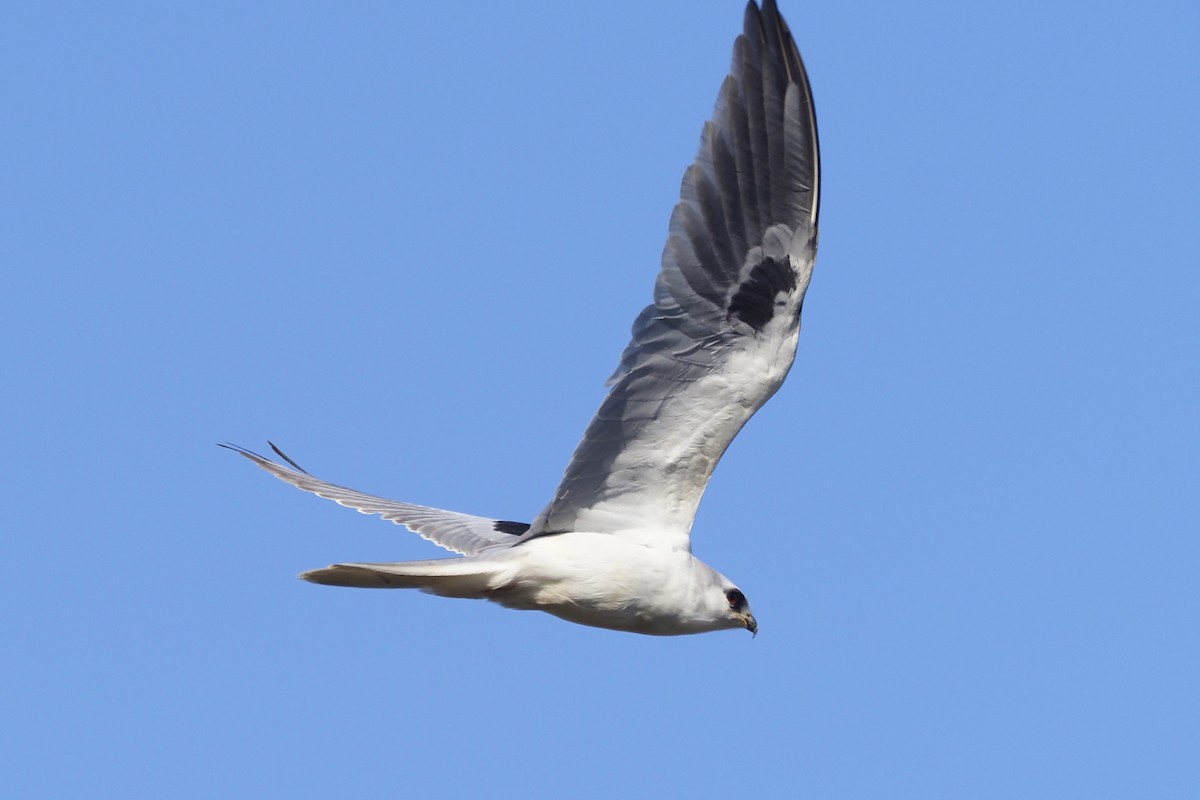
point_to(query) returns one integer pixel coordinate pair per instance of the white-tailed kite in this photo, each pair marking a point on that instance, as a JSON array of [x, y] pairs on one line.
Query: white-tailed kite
[[613, 548]]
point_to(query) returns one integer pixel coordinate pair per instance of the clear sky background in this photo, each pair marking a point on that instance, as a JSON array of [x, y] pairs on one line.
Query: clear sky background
[[406, 241]]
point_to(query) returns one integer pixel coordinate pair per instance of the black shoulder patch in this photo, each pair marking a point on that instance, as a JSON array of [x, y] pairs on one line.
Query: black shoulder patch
[[514, 528], [754, 301]]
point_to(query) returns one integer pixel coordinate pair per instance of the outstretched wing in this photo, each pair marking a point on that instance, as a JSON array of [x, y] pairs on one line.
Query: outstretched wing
[[721, 334], [459, 533]]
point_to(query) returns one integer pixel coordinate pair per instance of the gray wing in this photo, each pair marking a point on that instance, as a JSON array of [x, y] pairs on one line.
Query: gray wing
[[721, 335], [459, 533]]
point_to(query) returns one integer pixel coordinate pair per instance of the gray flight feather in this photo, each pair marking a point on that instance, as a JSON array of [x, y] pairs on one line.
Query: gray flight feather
[[459, 533], [721, 334]]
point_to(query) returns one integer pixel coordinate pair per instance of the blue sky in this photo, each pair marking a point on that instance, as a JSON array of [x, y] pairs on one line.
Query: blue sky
[[406, 243]]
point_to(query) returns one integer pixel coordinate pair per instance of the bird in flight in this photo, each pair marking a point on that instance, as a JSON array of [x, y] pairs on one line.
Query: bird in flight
[[613, 547]]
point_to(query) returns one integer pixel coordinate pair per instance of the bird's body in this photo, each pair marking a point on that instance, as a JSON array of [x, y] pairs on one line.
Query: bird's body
[[593, 579], [612, 549]]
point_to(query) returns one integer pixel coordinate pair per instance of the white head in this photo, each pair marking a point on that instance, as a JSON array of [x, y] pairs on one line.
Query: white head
[[718, 602], [739, 609]]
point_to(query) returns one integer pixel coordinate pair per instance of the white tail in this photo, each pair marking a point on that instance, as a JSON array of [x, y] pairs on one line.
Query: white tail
[[449, 577]]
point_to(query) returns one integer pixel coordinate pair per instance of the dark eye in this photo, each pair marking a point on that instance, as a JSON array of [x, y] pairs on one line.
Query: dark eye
[[737, 600]]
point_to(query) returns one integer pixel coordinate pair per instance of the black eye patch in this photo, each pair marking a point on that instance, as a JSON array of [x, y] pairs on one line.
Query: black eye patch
[[737, 600]]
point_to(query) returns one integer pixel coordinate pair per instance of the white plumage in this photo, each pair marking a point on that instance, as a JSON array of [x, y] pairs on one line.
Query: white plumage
[[613, 547]]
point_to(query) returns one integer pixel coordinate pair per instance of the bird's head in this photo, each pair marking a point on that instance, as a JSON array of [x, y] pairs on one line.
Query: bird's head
[[739, 609]]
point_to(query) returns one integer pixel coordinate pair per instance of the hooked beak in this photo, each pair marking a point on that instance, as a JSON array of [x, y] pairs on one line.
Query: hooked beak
[[751, 624]]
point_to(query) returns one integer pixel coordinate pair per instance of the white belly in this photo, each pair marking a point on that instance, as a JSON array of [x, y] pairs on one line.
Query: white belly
[[605, 581]]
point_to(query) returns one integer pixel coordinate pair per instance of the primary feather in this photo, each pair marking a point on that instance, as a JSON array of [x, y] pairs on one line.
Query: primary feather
[[459, 533]]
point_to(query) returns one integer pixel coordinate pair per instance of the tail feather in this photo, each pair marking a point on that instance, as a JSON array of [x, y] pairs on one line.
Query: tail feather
[[448, 577]]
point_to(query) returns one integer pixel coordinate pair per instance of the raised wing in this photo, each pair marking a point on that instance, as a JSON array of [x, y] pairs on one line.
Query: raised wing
[[721, 335], [459, 533]]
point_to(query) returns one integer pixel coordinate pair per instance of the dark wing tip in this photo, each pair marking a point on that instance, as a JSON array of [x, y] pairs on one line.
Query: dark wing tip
[[284, 456], [262, 460], [242, 451]]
